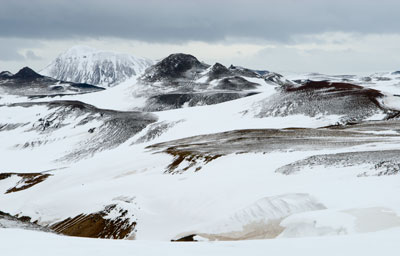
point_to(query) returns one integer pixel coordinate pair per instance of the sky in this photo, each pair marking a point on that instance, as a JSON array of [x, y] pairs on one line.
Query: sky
[[326, 36]]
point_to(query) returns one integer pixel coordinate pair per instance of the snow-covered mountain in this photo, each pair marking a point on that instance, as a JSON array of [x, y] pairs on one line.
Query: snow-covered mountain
[[84, 64], [27, 82]]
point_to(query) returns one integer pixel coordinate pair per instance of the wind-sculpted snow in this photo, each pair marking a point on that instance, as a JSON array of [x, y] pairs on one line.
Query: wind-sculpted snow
[[339, 222], [87, 65], [259, 220]]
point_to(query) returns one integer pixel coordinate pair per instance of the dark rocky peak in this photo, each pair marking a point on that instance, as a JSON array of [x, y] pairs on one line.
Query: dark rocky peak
[[218, 67], [180, 59], [241, 71], [396, 73], [6, 74], [175, 66], [26, 73], [218, 71]]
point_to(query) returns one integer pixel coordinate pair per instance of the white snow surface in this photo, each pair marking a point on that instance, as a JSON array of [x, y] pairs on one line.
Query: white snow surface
[[37, 243]]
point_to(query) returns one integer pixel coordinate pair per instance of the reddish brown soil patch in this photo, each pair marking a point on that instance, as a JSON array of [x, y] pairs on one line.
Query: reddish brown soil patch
[[339, 89], [189, 156], [95, 225]]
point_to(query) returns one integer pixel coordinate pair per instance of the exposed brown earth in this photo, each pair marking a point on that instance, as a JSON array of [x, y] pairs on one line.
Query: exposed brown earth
[[191, 157], [96, 225], [28, 180]]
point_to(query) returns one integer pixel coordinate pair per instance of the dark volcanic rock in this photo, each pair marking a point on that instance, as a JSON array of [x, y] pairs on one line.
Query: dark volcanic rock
[[352, 102], [29, 83], [179, 100], [5, 74], [236, 83], [27, 73], [218, 71], [181, 80], [175, 66]]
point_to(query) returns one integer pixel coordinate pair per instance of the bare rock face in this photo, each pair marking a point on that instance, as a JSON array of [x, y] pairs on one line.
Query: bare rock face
[[26, 73], [175, 66]]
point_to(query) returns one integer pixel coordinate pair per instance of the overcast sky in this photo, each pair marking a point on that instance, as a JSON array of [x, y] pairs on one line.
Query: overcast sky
[[335, 36]]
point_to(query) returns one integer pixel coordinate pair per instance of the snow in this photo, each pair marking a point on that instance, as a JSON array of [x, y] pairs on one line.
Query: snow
[[392, 102], [37, 243]]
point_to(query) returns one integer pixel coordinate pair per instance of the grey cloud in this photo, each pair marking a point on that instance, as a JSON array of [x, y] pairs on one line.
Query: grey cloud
[[185, 20], [10, 55], [10, 49], [345, 61], [30, 55]]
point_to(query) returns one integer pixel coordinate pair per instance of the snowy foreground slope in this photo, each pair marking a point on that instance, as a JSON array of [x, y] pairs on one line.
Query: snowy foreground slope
[[35, 243], [195, 152]]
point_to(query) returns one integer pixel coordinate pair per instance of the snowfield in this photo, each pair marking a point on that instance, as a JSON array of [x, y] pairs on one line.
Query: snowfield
[[306, 165], [379, 243]]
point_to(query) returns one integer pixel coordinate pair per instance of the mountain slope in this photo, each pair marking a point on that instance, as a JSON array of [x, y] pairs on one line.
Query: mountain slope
[[83, 64], [29, 83]]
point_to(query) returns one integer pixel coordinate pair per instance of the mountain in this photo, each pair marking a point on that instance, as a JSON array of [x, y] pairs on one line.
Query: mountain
[[181, 80], [6, 74], [175, 66], [82, 64], [27, 82]]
